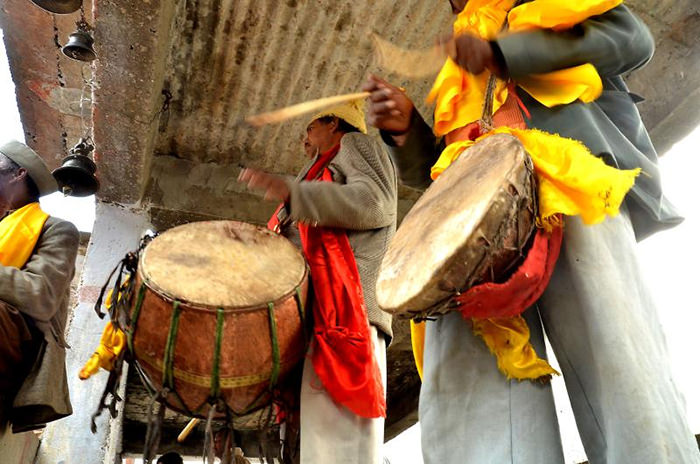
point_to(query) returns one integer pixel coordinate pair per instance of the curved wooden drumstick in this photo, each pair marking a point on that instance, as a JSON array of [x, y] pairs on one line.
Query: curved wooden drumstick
[[300, 109]]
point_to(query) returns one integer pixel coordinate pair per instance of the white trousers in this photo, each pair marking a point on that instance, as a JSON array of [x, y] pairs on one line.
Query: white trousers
[[331, 434], [602, 324]]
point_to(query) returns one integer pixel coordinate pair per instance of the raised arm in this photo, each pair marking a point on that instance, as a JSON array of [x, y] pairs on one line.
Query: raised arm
[[615, 43], [365, 197]]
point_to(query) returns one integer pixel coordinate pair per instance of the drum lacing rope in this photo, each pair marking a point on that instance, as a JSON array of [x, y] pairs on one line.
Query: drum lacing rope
[[486, 121], [153, 430], [275, 346]]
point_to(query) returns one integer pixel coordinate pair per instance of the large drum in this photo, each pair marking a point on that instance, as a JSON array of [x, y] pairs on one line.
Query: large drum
[[218, 315], [471, 226]]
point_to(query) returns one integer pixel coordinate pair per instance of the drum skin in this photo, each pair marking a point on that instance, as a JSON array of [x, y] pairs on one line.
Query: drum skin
[[219, 248], [472, 225]]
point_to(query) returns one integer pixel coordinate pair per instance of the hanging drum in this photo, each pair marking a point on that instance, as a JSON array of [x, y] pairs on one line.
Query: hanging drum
[[217, 315], [472, 225]]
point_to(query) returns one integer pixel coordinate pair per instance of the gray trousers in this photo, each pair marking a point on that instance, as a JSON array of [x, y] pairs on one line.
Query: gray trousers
[[603, 327], [332, 434]]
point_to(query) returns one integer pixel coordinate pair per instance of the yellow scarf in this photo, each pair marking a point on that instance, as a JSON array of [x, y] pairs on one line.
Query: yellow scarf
[[19, 233], [571, 180]]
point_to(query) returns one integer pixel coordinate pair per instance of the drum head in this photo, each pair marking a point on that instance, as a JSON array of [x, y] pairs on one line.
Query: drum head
[[453, 212], [225, 264]]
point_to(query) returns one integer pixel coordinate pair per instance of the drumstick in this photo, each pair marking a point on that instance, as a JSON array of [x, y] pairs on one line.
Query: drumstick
[[300, 109], [188, 429], [412, 63]]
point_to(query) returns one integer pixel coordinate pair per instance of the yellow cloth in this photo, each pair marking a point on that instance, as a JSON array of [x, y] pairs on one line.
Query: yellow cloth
[[418, 344], [509, 339], [19, 233], [459, 95], [111, 345], [571, 180]]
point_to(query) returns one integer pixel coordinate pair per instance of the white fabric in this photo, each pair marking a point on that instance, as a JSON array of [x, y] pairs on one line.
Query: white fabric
[[332, 434], [603, 327]]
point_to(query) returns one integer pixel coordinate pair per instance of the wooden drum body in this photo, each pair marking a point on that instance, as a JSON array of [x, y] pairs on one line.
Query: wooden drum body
[[218, 314], [470, 226]]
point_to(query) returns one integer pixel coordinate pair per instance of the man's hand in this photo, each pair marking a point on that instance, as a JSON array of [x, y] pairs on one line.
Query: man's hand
[[474, 54], [274, 186], [390, 109]]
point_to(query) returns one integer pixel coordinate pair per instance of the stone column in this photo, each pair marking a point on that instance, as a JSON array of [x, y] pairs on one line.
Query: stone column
[[117, 230]]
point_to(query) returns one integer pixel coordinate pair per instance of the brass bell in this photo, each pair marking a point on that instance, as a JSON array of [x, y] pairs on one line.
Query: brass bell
[[79, 46], [59, 6], [76, 176]]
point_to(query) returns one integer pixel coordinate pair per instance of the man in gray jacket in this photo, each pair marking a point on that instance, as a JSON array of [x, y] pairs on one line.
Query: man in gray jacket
[[360, 202], [34, 292], [597, 312]]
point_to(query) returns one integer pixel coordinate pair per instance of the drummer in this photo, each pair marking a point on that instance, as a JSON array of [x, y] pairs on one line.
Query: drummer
[[597, 311], [344, 206]]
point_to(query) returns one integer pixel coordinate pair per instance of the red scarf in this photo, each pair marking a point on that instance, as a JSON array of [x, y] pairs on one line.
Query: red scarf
[[342, 353]]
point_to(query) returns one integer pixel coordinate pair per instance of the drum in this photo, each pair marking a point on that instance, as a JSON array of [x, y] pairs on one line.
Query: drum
[[218, 315], [471, 226]]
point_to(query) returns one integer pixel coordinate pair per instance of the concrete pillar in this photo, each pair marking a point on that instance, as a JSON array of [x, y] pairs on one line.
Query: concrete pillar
[[117, 230]]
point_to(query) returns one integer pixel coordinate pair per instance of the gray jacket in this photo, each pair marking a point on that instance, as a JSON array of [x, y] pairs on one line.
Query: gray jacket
[[361, 199], [41, 290], [616, 43]]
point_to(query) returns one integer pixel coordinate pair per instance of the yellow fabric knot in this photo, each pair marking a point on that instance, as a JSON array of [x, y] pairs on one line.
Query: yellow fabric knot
[[110, 347]]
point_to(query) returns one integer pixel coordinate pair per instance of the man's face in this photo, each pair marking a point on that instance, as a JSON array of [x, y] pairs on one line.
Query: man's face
[[458, 5], [8, 178], [319, 137]]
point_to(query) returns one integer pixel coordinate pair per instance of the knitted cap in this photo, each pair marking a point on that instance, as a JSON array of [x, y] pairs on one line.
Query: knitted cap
[[352, 112], [36, 168]]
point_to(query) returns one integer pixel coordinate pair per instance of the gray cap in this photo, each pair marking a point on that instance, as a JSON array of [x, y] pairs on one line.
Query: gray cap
[[36, 168]]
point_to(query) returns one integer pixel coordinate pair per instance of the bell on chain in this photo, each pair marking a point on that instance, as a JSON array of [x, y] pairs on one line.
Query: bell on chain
[[59, 6], [79, 46], [76, 176]]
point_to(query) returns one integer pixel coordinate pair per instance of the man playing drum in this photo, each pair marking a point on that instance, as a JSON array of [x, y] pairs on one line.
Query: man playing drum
[[596, 310], [344, 206], [37, 263]]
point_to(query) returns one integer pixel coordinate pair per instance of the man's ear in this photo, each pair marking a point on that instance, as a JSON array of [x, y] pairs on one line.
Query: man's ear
[[335, 124], [20, 174]]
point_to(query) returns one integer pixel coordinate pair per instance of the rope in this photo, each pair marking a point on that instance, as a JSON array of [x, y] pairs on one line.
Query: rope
[[170, 347], [275, 346], [216, 368]]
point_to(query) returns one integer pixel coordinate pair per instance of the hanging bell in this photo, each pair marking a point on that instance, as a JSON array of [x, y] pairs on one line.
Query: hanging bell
[[79, 46], [59, 6], [76, 176]]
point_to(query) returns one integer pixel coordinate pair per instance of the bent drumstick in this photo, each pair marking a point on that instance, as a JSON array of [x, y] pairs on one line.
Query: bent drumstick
[[300, 109], [412, 63]]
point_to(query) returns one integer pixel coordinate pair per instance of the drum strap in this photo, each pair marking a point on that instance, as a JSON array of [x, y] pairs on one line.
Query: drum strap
[[135, 313], [170, 347], [216, 371]]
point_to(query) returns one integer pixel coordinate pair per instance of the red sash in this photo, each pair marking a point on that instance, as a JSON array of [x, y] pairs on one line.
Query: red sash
[[342, 352]]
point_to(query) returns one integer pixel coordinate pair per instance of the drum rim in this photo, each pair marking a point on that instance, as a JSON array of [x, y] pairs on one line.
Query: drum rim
[[208, 308], [227, 309]]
